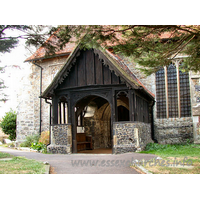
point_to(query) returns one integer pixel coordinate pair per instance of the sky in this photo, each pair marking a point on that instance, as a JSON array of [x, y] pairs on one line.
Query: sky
[[13, 75]]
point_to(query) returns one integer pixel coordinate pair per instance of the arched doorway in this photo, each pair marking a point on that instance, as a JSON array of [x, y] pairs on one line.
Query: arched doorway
[[92, 125]]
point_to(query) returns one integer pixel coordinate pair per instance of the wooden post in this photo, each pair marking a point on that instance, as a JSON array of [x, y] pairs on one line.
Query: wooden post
[[116, 109], [131, 110], [59, 113], [114, 106], [74, 130], [55, 110], [69, 111], [66, 113], [134, 106]]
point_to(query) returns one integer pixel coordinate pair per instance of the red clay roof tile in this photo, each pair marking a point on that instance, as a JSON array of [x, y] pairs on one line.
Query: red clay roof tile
[[41, 52], [69, 47]]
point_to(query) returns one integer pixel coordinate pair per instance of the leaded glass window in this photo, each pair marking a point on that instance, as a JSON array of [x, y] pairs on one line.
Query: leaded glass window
[[185, 94], [160, 94], [172, 93]]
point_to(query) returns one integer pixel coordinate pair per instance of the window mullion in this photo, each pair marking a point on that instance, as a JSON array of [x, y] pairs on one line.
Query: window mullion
[[178, 88], [166, 92]]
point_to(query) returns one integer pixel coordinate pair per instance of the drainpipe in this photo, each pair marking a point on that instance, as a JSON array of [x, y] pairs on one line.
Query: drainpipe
[[49, 120], [40, 130]]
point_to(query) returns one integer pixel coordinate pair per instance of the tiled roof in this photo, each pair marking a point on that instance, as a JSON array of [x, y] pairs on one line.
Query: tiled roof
[[70, 47], [128, 71], [41, 52], [120, 67]]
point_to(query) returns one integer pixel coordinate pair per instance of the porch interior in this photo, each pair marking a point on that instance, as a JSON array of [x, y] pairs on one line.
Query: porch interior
[[93, 126]]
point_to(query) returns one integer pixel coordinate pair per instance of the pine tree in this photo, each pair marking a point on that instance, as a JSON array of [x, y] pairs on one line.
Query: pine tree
[[152, 46]]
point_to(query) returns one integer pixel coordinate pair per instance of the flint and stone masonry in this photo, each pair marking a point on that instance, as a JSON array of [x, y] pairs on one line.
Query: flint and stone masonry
[[61, 139], [174, 130], [131, 136]]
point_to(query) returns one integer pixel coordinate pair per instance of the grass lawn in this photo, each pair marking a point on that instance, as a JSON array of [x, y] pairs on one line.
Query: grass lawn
[[176, 159], [5, 155], [20, 165]]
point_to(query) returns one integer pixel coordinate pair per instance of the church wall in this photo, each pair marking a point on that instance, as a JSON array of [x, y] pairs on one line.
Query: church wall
[[173, 130], [195, 102], [28, 110]]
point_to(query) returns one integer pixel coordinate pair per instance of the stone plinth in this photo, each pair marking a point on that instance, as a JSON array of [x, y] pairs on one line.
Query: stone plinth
[[173, 130], [61, 139], [130, 136]]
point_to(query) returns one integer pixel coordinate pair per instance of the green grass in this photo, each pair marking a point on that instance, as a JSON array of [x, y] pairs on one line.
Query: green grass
[[173, 150], [20, 165], [5, 155]]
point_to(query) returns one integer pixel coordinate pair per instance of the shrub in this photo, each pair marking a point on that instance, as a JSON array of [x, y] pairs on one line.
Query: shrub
[[8, 124], [39, 146], [44, 138], [29, 140]]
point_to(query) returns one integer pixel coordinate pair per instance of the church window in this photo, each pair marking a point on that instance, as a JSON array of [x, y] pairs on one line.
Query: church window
[[172, 92]]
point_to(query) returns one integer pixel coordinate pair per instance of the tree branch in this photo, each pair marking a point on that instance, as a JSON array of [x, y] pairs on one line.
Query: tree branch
[[183, 47]]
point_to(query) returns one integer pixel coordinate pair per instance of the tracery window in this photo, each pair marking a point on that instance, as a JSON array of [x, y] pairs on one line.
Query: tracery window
[[172, 92]]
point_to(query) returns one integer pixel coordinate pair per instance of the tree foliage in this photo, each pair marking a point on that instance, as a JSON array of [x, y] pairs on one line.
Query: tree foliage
[[152, 46], [8, 124], [33, 34]]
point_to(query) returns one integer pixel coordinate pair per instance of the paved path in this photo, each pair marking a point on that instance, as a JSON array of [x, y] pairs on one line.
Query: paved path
[[85, 163]]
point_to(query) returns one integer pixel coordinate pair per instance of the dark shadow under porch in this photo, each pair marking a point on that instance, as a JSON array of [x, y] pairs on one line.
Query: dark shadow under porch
[[97, 151]]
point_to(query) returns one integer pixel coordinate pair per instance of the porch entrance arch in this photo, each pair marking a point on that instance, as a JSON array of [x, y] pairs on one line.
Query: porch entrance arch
[[92, 127]]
